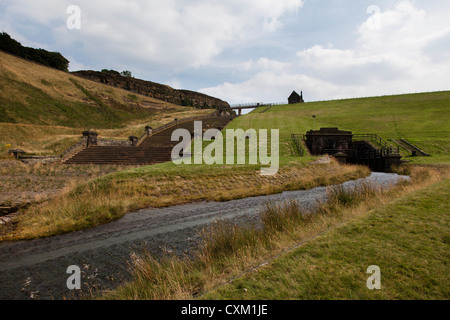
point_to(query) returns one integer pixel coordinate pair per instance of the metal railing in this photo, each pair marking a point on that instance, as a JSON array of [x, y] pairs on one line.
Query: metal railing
[[414, 148], [387, 148], [257, 104]]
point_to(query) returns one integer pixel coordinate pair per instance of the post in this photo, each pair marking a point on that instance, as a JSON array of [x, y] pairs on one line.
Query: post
[[148, 130], [16, 153], [133, 140], [91, 137]]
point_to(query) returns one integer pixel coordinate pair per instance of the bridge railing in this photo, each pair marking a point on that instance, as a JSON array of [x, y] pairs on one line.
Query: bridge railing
[[256, 104], [387, 148], [242, 105]]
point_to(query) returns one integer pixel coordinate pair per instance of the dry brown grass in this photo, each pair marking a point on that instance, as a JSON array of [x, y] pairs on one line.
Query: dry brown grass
[[136, 127], [53, 140], [57, 85], [29, 90], [109, 198], [22, 184]]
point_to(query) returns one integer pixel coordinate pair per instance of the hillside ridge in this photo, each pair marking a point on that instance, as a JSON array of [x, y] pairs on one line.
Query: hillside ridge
[[155, 90], [31, 93]]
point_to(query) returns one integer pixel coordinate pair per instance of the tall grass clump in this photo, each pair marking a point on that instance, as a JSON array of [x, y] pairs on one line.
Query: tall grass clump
[[163, 278], [224, 239], [342, 196], [283, 217]]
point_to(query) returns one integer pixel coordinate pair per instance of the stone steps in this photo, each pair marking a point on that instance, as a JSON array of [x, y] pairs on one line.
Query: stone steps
[[155, 149], [121, 155]]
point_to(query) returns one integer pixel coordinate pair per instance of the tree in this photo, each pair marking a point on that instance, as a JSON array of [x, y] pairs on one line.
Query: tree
[[47, 58], [126, 73], [111, 71]]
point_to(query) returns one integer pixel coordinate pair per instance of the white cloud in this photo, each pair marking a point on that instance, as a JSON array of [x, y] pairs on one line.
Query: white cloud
[[408, 51], [175, 33], [396, 57]]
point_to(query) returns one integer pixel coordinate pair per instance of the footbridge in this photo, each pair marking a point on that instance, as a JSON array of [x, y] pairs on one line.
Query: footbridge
[[253, 105]]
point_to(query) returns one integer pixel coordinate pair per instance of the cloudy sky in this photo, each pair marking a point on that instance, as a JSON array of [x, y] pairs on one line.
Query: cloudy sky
[[249, 50]]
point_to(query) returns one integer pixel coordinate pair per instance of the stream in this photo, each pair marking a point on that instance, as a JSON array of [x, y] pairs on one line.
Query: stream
[[37, 269]]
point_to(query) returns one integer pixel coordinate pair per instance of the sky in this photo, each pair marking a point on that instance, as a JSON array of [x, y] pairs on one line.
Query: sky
[[245, 51]]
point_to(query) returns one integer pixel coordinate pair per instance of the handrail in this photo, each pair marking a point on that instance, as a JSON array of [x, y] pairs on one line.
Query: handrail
[[414, 147], [388, 148], [256, 104]]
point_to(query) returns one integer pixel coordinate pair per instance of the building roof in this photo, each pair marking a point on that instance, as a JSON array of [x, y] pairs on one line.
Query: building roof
[[294, 95]]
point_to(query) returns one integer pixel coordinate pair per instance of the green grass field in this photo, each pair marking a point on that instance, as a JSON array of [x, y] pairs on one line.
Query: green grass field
[[413, 262]]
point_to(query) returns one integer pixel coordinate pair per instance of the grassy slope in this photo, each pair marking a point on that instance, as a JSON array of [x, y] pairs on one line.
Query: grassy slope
[[422, 118], [44, 110], [413, 262]]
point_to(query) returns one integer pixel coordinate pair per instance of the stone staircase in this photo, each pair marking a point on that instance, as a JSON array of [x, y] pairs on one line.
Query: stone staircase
[[121, 155], [163, 138], [154, 148]]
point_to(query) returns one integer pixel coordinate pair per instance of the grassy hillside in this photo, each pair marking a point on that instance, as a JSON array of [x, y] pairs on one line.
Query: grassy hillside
[[424, 119], [44, 110]]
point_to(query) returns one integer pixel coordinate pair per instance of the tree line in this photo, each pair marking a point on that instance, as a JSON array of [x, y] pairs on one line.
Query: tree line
[[50, 59]]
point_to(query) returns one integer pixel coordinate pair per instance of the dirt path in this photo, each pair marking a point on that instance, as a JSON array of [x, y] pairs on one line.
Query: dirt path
[[37, 269]]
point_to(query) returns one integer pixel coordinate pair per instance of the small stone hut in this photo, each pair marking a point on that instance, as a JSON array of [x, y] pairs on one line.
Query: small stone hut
[[296, 98]]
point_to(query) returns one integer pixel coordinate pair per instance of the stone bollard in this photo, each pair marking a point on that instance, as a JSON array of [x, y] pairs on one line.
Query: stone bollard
[[91, 137], [148, 131], [16, 153], [133, 140]]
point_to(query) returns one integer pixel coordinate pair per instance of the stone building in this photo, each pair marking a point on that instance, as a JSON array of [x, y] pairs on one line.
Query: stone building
[[329, 140], [296, 98], [345, 149]]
